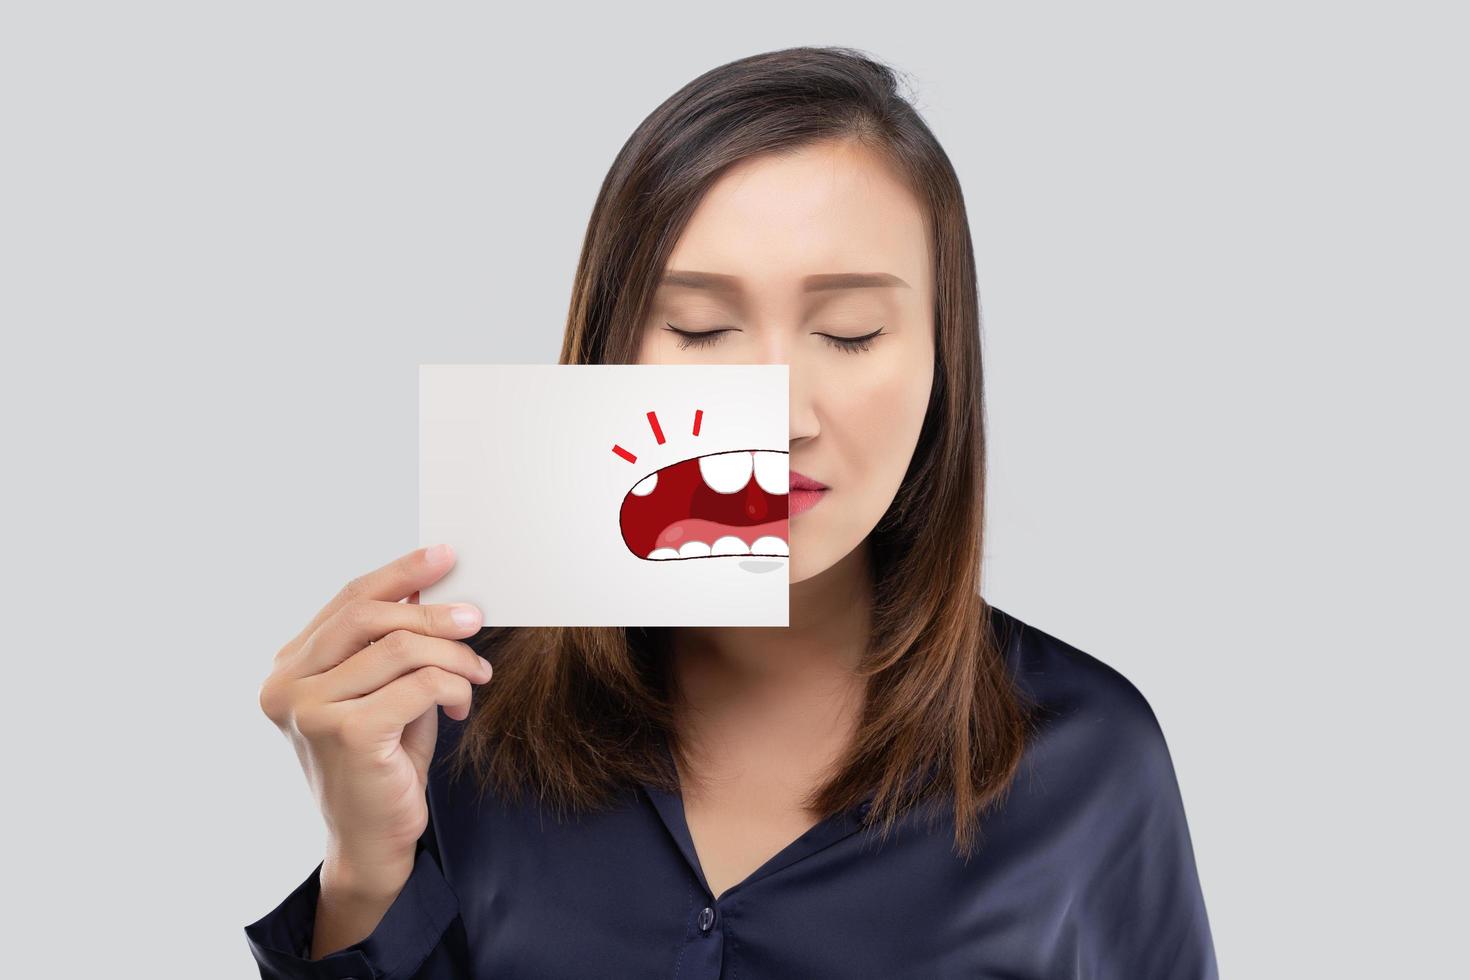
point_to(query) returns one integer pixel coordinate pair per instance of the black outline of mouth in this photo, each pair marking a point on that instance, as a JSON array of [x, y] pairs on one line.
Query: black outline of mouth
[[681, 462]]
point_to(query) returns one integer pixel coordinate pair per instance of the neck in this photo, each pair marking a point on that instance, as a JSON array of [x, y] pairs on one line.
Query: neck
[[779, 685], [828, 629]]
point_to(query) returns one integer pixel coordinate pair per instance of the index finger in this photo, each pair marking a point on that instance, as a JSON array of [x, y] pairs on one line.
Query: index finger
[[400, 578]]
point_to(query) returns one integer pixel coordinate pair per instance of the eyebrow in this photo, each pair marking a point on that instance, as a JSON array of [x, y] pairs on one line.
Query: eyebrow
[[720, 283]]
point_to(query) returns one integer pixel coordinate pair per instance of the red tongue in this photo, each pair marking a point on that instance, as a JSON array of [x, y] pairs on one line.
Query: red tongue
[[682, 507], [697, 529]]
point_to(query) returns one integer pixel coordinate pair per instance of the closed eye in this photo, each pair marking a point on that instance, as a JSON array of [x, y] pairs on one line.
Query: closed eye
[[853, 344], [697, 338], [705, 338]]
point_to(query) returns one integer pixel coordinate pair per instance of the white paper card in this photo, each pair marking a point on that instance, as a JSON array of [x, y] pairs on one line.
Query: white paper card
[[529, 471]]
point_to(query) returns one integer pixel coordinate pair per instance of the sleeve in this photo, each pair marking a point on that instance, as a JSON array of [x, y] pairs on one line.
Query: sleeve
[[420, 937], [1147, 910]]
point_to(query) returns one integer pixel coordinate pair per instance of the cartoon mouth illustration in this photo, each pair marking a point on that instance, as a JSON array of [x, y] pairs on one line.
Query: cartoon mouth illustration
[[729, 503]]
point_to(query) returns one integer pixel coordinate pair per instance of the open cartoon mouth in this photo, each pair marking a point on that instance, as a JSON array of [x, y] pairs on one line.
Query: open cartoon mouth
[[730, 503]]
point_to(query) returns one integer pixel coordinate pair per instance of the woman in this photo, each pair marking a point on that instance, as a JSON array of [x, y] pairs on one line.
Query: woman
[[905, 782]]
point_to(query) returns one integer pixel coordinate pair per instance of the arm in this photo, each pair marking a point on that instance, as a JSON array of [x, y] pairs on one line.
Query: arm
[[358, 693], [1147, 909], [419, 936]]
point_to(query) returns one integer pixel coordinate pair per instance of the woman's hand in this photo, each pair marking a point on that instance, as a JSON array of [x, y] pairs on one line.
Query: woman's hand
[[357, 692]]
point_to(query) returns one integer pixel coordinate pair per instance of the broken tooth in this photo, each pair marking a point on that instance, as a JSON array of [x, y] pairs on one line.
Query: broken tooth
[[773, 471], [645, 486], [727, 472], [769, 545], [730, 545]]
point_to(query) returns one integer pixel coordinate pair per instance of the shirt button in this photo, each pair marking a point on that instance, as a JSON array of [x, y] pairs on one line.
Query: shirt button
[[706, 919]]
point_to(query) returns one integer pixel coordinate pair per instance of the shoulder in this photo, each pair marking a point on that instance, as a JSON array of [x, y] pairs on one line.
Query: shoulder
[[1066, 680], [1097, 792], [1087, 717]]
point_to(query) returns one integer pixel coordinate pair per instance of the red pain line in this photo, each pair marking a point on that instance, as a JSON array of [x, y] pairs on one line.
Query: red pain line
[[625, 454], [698, 414], [657, 432]]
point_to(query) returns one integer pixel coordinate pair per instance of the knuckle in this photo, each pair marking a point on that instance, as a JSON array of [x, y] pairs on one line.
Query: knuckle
[[431, 679], [356, 613], [354, 588], [397, 645], [427, 624], [270, 700]]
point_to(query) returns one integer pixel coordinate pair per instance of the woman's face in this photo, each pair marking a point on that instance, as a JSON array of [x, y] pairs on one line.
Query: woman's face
[[778, 233]]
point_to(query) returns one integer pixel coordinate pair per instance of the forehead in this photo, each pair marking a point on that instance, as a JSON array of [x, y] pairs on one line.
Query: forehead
[[827, 208]]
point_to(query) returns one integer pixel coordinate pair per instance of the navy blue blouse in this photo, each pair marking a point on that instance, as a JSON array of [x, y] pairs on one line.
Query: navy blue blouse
[[1086, 870]]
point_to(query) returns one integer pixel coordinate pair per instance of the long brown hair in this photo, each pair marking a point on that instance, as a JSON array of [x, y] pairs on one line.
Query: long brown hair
[[576, 714]]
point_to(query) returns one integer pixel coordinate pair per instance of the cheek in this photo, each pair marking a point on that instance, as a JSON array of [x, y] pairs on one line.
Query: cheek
[[882, 411]]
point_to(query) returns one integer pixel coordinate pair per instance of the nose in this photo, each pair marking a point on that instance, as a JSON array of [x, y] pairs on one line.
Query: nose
[[803, 423]]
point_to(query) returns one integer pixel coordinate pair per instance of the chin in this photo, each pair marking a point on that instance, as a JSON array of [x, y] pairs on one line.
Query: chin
[[811, 554], [800, 571], [807, 561]]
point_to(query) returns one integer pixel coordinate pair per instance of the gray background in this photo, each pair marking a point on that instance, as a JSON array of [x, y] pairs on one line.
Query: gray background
[[1222, 255]]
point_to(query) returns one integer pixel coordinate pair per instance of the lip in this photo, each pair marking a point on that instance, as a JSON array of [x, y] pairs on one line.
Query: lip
[[800, 481], [804, 493]]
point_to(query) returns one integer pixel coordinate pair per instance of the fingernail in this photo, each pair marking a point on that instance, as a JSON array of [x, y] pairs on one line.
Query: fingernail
[[437, 553], [465, 616], [486, 664]]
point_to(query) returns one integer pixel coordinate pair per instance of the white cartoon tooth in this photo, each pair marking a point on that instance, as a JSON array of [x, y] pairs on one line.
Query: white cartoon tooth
[[769, 545], [730, 545], [773, 471], [727, 472], [693, 549], [662, 554], [645, 486]]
